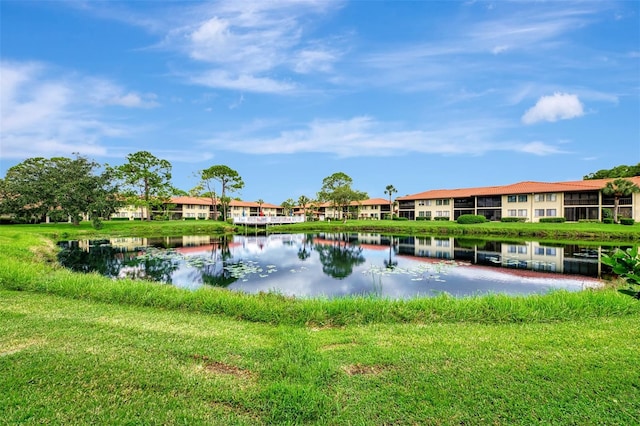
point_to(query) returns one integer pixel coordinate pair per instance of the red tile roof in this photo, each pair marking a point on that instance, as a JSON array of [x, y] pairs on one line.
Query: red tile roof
[[207, 202], [527, 187]]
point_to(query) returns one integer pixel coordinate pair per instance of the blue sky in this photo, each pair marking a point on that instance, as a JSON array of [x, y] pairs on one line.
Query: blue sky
[[418, 94]]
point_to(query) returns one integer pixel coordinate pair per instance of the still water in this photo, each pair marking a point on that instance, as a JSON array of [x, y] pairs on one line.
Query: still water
[[341, 264]]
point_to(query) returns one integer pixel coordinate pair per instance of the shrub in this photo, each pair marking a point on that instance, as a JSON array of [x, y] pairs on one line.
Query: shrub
[[626, 221], [626, 264], [607, 213], [471, 218], [553, 220], [513, 219], [400, 218], [189, 218], [96, 222], [607, 220], [119, 218], [441, 218], [423, 218]]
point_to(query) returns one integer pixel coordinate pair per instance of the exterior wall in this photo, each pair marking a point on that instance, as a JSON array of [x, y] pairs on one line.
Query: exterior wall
[[546, 205], [239, 211], [441, 207], [130, 212], [198, 211], [373, 211], [518, 205]]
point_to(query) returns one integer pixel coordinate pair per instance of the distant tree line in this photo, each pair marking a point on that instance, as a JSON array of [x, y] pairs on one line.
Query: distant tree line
[[65, 189]]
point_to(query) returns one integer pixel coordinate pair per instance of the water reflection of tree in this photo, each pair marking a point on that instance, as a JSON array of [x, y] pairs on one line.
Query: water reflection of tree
[[391, 263], [159, 269], [304, 252], [101, 257], [217, 274], [339, 257]]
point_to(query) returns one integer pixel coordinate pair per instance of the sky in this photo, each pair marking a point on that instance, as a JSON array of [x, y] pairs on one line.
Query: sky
[[420, 95]]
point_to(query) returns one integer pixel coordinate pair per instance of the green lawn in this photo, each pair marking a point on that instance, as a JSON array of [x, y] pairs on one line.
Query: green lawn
[[78, 349], [76, 362]]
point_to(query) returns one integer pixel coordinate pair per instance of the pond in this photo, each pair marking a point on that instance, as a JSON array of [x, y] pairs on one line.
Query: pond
[[343, 264]]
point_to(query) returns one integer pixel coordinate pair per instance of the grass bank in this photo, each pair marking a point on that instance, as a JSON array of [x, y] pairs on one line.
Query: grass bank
[[65, 361], [78, 349], [556, 231], [29, 264]]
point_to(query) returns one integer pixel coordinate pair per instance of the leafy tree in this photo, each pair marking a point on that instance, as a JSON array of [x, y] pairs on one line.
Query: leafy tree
[[619, 188], [390, 190], [62, 187], [230, 181], [147, 180], [337, 190], [616, 172], [29, 190]]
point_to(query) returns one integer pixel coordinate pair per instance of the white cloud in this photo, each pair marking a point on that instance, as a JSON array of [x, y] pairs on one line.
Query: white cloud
[[499, 49], [540, 148], [103, 92], [248, 82], [559, 106], [364, 136], [244, 43], [47, 113]]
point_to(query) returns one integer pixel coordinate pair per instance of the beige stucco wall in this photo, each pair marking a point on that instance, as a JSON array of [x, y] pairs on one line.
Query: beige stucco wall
[[195, 210], [433, 207]]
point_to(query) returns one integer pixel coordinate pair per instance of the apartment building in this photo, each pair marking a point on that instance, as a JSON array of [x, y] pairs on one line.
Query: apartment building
[[202, 208], [373, 208], [531, 201]]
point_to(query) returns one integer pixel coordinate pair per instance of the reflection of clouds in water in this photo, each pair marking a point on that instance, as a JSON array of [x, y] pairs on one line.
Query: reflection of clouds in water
[[273, 264]]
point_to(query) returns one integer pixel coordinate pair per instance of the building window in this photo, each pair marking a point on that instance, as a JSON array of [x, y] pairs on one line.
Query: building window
[[511, 198], [538, 198], [551, 251], [420, 214], [539, 251], [441, 213], [538, 212], [428, 214], [522, 213], [522, 249], [442, 202], [522, 198], [421, 203], [428, 202], [512, 212], [551, 197], [551, 212]]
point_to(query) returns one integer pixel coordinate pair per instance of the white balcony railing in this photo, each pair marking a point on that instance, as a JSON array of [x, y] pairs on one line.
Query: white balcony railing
[[267, 220]]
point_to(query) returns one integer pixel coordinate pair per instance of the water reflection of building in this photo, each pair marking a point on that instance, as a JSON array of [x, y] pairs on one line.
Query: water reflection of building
[[532, 255]]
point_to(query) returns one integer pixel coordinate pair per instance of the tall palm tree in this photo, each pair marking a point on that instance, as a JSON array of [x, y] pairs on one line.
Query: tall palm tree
[[390, 190], [619, 188], [260, 203], [303, 201]]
